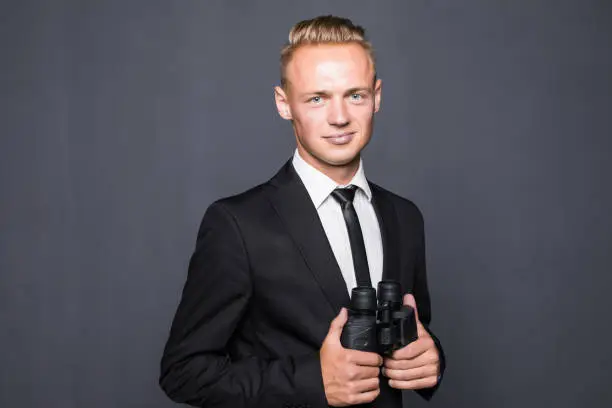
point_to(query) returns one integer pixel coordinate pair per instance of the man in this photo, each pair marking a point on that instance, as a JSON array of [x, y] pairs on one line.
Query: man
[[262, 310]]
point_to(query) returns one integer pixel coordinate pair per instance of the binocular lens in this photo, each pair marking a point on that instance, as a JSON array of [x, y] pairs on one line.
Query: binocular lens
[[363, 298], [389, 291]]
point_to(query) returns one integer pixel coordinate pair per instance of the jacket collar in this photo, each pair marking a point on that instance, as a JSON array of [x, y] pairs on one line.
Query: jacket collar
[[291, 200]]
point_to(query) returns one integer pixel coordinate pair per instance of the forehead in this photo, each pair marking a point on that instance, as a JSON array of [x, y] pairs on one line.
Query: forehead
[[329, 66]]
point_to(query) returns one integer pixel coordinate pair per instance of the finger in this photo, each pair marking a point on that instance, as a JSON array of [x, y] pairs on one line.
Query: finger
[[414, 349], [421, 331], [409, 300], [363, 372], [336, 325], [366, 385], [365, 358], [419, 361], [412, 374], [414, 384], [364, 397]]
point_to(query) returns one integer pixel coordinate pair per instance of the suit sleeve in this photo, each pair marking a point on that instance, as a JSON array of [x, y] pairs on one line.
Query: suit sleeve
[[421, 294], [196, 367]]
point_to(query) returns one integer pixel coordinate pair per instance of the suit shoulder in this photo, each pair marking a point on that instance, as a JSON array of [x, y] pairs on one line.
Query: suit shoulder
[[245, 200], [401, 203], [242, 205], [229, 213]]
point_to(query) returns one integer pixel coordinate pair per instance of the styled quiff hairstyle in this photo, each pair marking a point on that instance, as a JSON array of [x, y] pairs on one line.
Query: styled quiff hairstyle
[[323, 30]]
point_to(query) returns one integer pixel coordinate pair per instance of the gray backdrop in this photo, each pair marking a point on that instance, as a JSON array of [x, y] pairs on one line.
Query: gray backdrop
[[122, 120]]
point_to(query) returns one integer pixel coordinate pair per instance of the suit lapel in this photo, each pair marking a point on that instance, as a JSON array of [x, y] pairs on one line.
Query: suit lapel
[[294, 206], [389, 230]]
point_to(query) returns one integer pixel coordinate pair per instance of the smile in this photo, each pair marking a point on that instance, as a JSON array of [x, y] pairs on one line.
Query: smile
[[340, 139]]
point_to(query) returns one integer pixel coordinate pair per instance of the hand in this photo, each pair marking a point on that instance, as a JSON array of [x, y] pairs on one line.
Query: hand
[[350, 377], [416, 365]]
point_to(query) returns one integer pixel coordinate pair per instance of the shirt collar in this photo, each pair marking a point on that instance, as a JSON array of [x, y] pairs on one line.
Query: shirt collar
[[320, 186]]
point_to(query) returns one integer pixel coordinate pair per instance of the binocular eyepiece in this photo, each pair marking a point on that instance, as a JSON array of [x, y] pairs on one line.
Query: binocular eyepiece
[[378, 321]]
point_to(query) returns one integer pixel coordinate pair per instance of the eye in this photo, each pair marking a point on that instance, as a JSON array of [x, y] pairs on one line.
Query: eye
[[356, 97], [316, 100]]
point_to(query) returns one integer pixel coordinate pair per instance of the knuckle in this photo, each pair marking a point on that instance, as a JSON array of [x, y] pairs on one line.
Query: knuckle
[[401, 365], [350, 388], [389, 373], [399, 374], [421, 373], [347, 357], [366, 373], [373, 373], [420, 344], [351, 372], [406, 385], [389, 363]]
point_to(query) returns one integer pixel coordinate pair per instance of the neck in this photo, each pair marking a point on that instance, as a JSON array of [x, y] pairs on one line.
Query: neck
[[341, 174]]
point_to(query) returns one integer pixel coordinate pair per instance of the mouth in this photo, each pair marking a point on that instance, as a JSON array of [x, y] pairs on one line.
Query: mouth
[[340, 138]]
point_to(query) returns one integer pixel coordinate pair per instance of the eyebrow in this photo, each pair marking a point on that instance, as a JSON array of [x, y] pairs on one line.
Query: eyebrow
[[348, 92], [359, 89]]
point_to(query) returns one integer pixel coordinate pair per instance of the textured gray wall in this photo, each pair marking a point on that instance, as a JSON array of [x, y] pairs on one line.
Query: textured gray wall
[[122, 120]]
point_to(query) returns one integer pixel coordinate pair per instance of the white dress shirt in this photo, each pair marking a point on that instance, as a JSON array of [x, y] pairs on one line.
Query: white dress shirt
[[320, 187]]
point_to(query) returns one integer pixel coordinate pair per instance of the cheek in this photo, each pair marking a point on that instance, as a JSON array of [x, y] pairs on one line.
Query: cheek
[[362, 114], [311, 120], [365, 110], [316, 116]]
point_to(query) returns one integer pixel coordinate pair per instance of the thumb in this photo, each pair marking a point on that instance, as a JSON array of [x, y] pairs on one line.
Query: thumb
[[409, 300], [336, 325]]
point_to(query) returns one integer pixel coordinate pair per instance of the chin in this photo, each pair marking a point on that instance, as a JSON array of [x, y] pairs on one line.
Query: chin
[[343, 160], [334, 157]]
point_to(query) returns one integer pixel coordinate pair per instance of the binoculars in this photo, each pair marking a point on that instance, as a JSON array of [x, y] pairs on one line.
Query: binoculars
[[380, 324]]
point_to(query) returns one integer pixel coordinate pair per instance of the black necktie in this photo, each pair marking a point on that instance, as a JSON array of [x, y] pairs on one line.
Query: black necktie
[[345, 197]]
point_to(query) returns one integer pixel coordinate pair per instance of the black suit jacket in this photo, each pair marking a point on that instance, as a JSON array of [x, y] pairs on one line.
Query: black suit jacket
[[262, 288]]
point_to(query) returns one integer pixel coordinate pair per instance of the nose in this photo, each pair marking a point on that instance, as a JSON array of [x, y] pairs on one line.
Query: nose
[[338, 113]]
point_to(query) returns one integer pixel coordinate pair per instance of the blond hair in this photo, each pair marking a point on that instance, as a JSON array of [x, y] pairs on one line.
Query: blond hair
[[323, 30]]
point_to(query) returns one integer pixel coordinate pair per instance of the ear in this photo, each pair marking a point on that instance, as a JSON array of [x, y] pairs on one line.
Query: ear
[[282, 103], [377, 94]]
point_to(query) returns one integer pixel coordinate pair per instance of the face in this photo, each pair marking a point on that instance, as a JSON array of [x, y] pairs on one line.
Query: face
[[331, 98]]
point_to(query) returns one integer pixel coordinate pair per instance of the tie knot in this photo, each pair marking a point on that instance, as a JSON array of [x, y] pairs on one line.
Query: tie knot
[[344, 195]]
